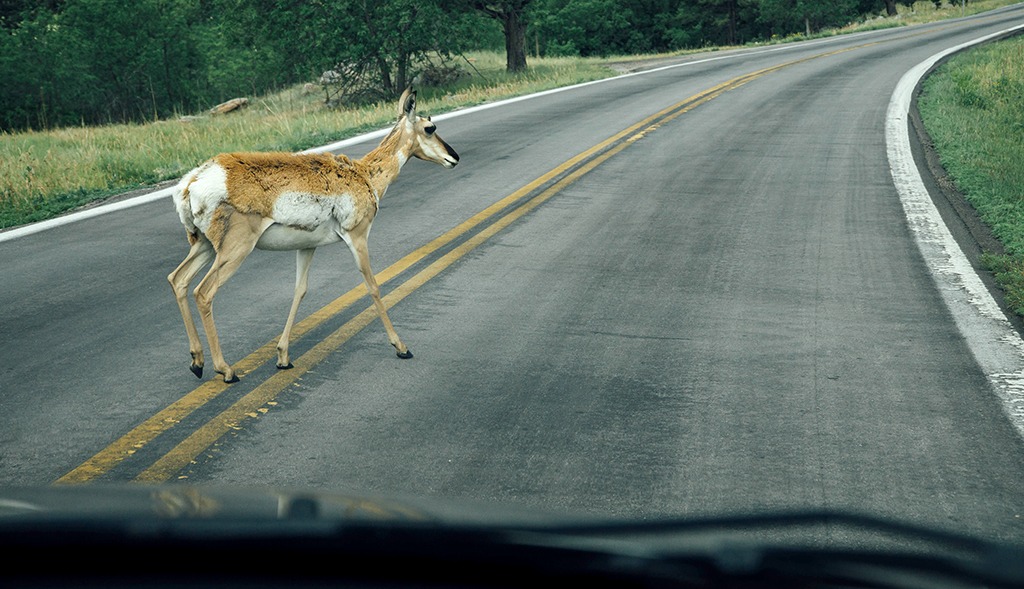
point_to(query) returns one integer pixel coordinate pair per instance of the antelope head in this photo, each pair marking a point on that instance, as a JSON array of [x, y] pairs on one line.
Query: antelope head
[[426, 143]]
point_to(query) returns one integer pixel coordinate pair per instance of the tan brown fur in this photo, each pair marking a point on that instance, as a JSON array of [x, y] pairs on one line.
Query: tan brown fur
[[255, 180]]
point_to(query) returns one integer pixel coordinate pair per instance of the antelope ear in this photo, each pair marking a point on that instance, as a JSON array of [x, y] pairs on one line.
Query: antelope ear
[[407, 103]]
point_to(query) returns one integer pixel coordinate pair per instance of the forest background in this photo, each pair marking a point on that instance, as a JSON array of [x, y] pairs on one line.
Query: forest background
[[93, 62]]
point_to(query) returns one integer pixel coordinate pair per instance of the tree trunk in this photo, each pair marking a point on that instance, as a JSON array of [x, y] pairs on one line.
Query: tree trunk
[[402, 75], [384, 70], [890, 7], [731, 28], [511, 15], [515, 41]]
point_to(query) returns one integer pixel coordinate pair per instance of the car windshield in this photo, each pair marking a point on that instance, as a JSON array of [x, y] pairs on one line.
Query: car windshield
[[753, 262]]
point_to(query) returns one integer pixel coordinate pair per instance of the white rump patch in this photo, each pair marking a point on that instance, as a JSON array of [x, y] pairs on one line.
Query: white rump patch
[[204, 195]]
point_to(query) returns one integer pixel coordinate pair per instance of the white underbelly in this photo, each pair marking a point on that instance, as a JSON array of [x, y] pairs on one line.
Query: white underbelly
[[283, 238]]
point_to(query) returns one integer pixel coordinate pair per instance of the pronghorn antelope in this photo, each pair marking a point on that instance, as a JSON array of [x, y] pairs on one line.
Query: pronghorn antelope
[[236, 202]]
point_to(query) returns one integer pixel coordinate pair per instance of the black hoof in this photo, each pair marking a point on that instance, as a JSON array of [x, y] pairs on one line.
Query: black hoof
[[405, 356], [196, 370], [290, 365], [234, 378]]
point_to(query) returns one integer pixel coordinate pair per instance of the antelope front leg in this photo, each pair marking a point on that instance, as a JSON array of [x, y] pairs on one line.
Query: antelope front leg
[[362, 255], [303, 258]]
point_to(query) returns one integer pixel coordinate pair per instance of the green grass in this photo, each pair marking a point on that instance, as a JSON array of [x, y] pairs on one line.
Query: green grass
[[973, 108], [46, 173]]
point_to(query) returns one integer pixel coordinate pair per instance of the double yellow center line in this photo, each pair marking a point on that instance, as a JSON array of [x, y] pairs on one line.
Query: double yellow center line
[[252, 404]]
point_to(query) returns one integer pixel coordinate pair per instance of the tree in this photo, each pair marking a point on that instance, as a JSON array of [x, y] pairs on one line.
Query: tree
[[585, 27], [806, 16], [94, 61], [393, 39], [375, 47], [136, 64], [724, 17], [711, 22], [256, 45], [14, 12], [512, 16]]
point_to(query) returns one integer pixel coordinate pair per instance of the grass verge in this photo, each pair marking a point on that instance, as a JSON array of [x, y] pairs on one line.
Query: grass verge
[[973, 109], [46, 173]]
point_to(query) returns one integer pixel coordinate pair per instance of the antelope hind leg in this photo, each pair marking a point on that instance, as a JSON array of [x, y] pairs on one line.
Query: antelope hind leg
[[241, 232], [198, 256]]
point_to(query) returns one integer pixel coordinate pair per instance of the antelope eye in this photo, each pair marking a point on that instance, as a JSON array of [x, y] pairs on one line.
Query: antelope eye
[[429, 129]]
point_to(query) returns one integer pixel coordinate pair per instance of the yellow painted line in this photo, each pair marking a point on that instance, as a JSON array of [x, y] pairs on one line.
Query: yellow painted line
[[250, 404], [147, 431]]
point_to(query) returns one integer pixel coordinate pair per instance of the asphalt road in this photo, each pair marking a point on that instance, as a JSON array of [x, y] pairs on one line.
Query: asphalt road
[[722, 309]]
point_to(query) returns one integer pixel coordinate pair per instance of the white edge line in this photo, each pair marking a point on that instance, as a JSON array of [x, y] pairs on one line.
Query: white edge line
[[84, 214], [997, 347], [22, 231]]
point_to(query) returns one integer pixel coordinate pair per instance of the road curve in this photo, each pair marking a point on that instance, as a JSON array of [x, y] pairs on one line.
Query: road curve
[[697, 292]]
